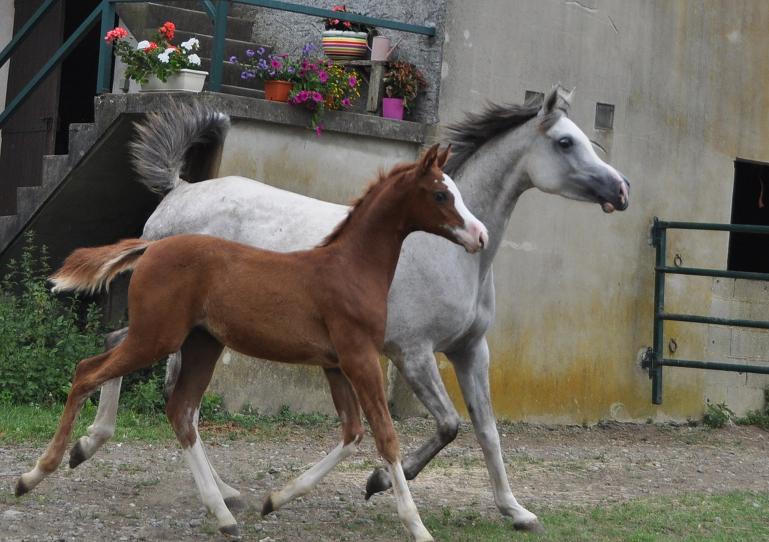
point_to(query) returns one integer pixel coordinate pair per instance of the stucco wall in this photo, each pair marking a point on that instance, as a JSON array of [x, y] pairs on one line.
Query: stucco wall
[[574, 286], [6, 33], [335, 167]]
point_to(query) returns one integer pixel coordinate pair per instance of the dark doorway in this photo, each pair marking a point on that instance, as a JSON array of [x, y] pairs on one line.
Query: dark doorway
[[750, 205]]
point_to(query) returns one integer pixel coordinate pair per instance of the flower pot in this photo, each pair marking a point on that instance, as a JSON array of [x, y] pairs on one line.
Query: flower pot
[[344, 44], [277, 91], [392, 108], [185, 81]]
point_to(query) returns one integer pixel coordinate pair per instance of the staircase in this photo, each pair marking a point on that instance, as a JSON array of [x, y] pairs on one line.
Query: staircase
[[142, 19]]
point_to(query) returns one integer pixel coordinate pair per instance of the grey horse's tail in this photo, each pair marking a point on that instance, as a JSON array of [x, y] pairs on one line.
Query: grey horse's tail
[[179, 140]]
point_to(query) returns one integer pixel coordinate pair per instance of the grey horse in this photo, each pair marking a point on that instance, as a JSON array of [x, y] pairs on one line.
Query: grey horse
[[499, 154]]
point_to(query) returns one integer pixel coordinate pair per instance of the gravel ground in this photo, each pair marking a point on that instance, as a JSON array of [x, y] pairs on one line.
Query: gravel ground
[[139, 491]]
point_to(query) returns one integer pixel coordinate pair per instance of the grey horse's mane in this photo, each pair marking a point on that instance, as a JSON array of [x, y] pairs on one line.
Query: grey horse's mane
[[468, 135]]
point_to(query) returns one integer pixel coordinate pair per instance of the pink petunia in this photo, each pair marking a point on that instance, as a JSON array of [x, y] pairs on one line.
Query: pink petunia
[[275, 64], [346, 101], [323, 76], [317, 96], [352, 81]]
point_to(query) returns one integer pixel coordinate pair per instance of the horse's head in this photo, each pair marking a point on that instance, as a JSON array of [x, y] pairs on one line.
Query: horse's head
[[435, 204], [561, 160]]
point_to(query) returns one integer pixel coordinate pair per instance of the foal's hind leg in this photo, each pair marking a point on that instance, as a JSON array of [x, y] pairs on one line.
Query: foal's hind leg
[[352, 432], [472, 367], [89, 375], [199, 353], [103, 426]]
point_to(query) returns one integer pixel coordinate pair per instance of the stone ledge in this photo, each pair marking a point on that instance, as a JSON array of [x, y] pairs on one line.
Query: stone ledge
[[110, 106]]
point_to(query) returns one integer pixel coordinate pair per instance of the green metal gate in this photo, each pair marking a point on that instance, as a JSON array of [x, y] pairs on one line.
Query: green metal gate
[[653, 359]]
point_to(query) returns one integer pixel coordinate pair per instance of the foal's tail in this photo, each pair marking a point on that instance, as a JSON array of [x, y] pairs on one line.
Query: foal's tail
[[90, 269], [178, 140]]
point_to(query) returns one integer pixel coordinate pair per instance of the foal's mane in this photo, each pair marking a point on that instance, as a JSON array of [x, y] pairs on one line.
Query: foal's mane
[[468, 135], [383, 179]]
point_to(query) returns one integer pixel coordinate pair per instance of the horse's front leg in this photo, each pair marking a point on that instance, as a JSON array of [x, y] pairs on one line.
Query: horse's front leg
[[472, 369], [420, 371], [347, 407]]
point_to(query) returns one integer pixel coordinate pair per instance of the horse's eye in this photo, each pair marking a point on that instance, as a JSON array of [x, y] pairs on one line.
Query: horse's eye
[[440, 197], [565, 143]]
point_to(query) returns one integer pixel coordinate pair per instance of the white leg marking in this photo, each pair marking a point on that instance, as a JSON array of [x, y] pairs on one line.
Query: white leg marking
[[226, 490], [103, 427], [407, 510], [33, 477], [310, 478], [204, 479]]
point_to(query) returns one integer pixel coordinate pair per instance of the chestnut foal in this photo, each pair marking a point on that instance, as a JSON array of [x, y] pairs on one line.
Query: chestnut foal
[[326, 306]]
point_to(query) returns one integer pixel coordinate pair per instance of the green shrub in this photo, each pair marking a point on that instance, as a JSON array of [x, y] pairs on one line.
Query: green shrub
[[42, 336], [717, 415]]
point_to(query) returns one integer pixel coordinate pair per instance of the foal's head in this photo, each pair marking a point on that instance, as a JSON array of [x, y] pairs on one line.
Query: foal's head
[[435, 205]]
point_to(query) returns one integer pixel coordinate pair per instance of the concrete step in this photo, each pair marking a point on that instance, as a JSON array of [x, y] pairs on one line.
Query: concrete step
[[143, 19], [243, 91], [82, 136], [55, 168]]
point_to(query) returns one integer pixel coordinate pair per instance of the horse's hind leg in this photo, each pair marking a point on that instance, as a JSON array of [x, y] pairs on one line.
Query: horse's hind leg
[[352, 432], [103, 426], [419, 369], [472, 368], [199, 353], [89, 375]]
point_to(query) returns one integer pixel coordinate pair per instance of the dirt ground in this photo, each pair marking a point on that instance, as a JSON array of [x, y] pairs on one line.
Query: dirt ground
[[135, 491]]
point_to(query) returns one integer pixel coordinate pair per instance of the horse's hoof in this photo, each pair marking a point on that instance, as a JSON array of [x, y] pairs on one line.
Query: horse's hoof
[[230, 530], [532, 526], [234, 503], [377, 482], [76, 455], [267, 507], [21, 488]]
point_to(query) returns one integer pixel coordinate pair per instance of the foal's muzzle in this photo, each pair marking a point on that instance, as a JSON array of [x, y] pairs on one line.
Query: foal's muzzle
[[474, 237]]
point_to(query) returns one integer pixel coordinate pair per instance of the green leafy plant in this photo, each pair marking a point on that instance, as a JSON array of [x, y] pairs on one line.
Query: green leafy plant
[[42, 336], [404, 80], [156, 56], [717, 415]]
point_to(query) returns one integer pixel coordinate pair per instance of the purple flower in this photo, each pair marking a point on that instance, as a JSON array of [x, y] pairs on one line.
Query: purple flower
[[308, 48], [260, 51], [346, 101], [290, 69], [244, 75], [250, 52], [262, 64], [318, 130], [352, 81], [323, 76], [317, 96], [233, 59]]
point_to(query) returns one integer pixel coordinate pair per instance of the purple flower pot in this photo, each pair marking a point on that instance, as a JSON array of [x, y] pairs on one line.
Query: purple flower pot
[[392, 108]]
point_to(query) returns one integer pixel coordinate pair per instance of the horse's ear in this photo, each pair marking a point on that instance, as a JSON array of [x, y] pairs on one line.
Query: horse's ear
[[443, 156], [556, 99], [428, 158]]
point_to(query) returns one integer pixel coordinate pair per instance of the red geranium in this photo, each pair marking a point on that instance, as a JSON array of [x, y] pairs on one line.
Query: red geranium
[[116, 34], [168, 30]]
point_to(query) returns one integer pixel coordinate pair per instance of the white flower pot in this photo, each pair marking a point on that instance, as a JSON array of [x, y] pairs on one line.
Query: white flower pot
[[185, 81]]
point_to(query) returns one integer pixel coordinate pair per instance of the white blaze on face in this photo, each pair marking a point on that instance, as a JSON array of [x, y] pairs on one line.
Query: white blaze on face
[[474, 235]]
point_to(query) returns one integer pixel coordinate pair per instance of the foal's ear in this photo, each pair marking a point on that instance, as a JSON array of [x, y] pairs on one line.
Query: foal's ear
[[428, 158], [443, 156]]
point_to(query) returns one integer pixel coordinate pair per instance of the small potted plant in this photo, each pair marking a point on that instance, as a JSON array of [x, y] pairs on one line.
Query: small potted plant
[[157, 64], [278, 71], [402, 83], [345, 40]]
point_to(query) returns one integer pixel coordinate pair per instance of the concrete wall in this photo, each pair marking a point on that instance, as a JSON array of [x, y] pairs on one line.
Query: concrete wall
[[574, 287], [6, 33], [335, 167]]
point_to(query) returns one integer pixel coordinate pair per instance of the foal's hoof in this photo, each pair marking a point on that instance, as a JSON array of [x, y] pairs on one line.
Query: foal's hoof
[[21, 488], [76, 455], [234, 503], [267, 507], [230, 530], [532, 526], [377, 482]]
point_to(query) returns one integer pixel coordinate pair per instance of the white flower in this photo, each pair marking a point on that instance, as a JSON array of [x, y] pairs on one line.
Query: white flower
[[169, 50], [190, 44], [142, 45], [194, 60], [163, 57]]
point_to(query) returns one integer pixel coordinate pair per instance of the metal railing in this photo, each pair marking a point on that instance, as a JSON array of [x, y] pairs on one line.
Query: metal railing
[[653, 359], [217, 10]]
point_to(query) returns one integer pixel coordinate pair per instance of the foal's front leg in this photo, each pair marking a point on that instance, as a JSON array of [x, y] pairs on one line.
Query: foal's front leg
[[472, 368], [361, 367], [352, 432]]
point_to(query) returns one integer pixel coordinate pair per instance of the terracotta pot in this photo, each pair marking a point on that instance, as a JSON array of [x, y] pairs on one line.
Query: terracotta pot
[[344, 44], [185, 81], [277, 91], [392, 108]]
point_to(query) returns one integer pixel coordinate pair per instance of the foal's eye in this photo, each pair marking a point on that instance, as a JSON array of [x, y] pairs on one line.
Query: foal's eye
[[440, 197], [565, 143]]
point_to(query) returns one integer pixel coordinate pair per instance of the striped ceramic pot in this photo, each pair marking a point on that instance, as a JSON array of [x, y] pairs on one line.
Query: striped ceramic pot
[[344, 44]]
